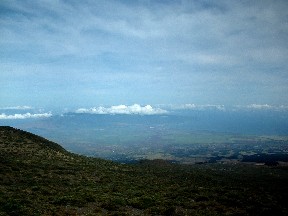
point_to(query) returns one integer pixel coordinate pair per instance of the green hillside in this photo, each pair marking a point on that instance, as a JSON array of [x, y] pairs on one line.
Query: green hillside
[[39, 177]]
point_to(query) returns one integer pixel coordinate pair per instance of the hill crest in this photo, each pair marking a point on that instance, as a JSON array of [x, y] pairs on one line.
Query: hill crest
[[16, 143]]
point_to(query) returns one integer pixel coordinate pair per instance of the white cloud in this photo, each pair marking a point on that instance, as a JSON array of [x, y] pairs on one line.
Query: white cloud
[[25, 116], [123, 109]]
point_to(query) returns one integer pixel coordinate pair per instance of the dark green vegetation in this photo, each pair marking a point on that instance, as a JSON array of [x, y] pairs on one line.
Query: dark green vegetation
[[38, 177]]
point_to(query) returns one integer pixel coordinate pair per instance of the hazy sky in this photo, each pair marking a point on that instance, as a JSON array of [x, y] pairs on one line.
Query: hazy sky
[[70, 53]]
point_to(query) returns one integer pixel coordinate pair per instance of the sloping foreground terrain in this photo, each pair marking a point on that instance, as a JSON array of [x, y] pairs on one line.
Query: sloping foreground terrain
[[39, 177]]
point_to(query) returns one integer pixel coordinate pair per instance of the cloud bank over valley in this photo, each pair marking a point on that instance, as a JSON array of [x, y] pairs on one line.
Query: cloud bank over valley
[[20, 112]]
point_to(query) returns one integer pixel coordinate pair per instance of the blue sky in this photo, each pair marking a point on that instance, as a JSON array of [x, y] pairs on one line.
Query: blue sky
[[58, 54]]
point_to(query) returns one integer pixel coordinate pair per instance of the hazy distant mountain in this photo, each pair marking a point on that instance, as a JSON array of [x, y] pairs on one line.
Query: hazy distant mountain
[[242, 122]]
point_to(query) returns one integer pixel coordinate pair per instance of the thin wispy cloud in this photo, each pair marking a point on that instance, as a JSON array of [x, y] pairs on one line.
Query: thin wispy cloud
[[205, 107], [198, 107], [259, 107], [135, 109], [3, 116], [17, 108]]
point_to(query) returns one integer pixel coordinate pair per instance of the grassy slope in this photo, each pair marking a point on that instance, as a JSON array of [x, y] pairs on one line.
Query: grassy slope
[[38, 177]]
